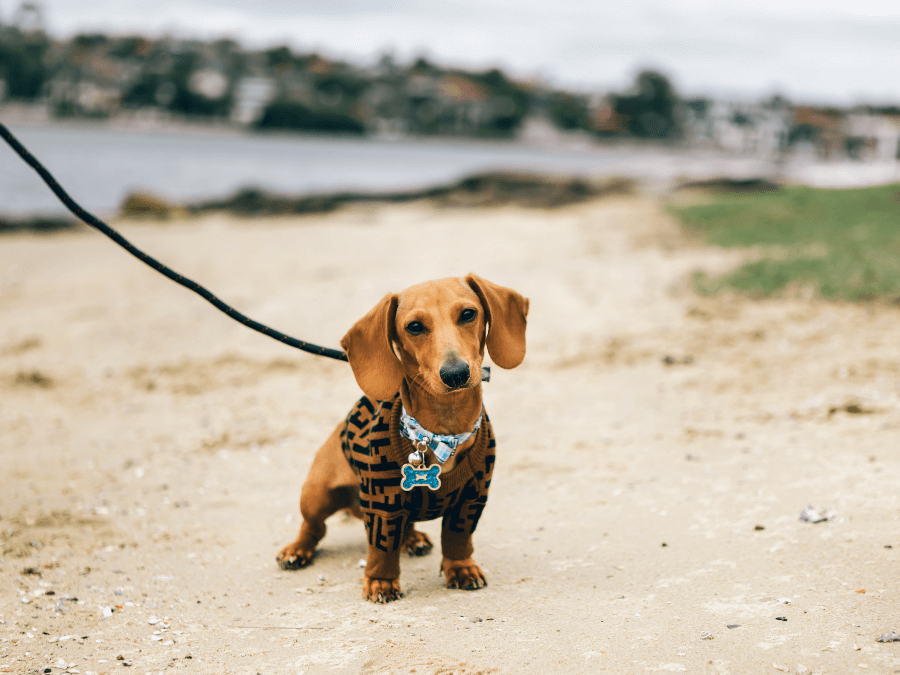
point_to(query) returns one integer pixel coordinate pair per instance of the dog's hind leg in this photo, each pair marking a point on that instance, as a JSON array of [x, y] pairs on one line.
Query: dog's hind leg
[[330, 487], [355, 510], [316, 504], [417, 543]]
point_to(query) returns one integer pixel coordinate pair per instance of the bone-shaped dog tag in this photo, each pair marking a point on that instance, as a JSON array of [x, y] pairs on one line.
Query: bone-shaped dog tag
[[415, 476]]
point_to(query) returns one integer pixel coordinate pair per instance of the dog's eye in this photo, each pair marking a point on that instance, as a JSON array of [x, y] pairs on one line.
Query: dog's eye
[[415, 328], [468, 315]]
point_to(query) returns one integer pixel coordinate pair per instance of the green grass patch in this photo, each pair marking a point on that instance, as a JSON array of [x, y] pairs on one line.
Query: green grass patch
[[845, 244]]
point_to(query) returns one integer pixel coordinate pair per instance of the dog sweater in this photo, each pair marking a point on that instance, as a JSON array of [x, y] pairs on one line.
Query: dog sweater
[[371, 441]]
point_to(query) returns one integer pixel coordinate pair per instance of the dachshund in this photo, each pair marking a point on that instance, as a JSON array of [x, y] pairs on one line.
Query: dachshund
[[418, 445]]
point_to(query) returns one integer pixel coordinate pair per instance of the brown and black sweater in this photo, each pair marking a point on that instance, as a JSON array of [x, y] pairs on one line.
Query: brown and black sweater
[[371, 441]]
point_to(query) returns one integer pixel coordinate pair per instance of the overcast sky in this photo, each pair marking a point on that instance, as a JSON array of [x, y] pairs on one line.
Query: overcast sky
[[821, 51]]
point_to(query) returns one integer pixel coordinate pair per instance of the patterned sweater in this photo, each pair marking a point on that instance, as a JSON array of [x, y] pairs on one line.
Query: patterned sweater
[[371, 441]]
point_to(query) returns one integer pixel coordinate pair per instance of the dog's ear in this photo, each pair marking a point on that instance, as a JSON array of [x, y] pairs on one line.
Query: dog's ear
[[505, 312], [371, 354]]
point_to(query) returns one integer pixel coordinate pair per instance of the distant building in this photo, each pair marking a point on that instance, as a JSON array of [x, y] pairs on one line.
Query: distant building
[[819, 131], [753, 128], [873, 136], [604, 118], [252, 94]]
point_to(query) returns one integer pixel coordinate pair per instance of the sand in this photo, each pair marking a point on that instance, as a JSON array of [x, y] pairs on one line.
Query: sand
[[655, 451]]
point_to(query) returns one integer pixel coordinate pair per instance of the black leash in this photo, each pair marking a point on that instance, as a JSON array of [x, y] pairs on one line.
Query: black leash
[[98, 224]]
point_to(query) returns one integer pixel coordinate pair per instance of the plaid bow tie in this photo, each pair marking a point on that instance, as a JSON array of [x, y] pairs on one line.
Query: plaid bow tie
[[443, 446]]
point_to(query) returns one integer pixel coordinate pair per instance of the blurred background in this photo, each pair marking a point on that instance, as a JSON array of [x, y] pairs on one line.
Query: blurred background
[[194, 99]]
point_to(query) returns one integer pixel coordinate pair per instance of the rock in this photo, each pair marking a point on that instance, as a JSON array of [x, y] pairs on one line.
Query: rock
[[812, 515], [147, 205], [670, 360], [37, 224]]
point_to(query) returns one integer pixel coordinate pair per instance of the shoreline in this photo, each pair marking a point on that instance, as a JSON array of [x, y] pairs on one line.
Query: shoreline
[[282, 168]]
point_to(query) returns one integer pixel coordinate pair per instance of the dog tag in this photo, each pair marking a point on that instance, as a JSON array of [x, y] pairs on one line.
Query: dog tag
[[419, 476]]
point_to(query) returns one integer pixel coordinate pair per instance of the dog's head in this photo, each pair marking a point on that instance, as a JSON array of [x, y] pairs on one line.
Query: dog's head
[[434, 335]]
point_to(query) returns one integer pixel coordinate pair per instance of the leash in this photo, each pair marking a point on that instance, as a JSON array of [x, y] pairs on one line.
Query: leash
[[102, 227]]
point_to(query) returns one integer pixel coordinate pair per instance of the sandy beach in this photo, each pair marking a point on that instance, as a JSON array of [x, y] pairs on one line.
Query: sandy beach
[[655, 452]]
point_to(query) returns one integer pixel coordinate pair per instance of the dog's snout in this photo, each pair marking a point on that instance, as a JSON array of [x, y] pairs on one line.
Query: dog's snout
[[455, 374]]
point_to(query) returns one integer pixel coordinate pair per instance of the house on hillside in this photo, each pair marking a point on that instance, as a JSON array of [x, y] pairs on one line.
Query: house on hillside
[[873, 136], [604, 119], [818, 131], [87, 79], [753, 128], [463, 104], [252, 93]]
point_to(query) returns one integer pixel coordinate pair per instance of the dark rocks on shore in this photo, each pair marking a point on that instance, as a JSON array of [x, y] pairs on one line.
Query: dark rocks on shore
[[148, 205], [479, 191], [37, 224], [483, 190]]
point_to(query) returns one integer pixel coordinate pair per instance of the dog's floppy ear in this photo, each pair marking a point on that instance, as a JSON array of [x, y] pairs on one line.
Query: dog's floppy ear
[[368, 345], [506, 312]]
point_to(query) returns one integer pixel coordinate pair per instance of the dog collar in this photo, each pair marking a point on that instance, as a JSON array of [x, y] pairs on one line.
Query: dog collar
[[442, 445], [415, 473]]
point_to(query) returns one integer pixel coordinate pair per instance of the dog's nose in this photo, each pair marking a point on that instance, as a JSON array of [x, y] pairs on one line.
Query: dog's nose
[[455, 374]]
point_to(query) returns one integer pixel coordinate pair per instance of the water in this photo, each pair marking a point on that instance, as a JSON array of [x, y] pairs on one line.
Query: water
[[99, 167]]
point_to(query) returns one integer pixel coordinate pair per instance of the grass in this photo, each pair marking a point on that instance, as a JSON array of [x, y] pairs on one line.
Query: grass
[[844, 244]]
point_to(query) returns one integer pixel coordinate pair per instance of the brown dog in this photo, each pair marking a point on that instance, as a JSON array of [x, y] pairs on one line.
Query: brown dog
[[416, 354]]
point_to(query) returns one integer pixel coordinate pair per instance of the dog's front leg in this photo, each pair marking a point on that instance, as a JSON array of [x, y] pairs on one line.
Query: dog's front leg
[[381, 582], [458, 566], [465, 574], [381, 590]]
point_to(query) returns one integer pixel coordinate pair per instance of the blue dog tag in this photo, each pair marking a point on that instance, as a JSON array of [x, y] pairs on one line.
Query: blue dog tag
[[421, 477]]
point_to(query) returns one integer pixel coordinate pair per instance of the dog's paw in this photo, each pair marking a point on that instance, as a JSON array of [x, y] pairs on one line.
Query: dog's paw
[[293, 557], [464, 574], [418, 543], [381, 590]]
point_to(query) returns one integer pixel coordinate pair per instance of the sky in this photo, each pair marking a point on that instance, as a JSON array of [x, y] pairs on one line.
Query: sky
[[814, 51]]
